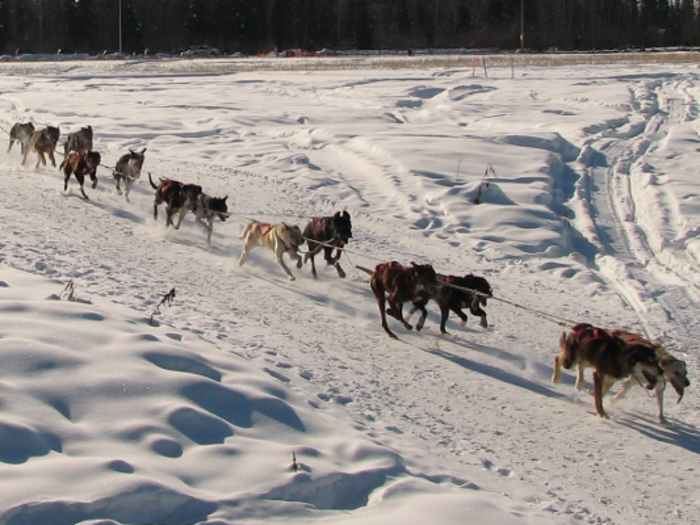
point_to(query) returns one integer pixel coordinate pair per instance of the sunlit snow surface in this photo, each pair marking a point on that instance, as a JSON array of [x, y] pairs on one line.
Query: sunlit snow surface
[[572, 188]]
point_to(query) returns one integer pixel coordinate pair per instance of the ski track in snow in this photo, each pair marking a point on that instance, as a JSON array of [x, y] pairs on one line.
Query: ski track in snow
[[428, 392]]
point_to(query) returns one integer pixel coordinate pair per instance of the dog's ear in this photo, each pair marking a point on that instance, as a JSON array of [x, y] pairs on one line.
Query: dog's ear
[[346, 215], [132, 152], [337, 214], [225, 198], [143, 151]]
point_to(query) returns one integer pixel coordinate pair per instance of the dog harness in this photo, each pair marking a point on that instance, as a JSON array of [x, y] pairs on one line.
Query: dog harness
[[266, 228], [598, 334], [318, 227], [394, 265], [634, 338], [169, 182]]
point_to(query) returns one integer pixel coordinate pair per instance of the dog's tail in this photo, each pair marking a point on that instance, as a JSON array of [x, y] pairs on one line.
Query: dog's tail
[[151, 181], [366, 270]]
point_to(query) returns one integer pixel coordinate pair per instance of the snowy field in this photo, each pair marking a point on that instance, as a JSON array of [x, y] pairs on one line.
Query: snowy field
[[573, 189]]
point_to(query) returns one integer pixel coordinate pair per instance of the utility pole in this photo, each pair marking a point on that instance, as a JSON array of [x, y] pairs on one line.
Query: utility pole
[[120, 26], [522, 26]]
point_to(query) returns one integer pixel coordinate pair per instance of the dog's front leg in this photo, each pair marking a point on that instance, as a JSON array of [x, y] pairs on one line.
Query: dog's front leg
[[279, 250], [210, 229], [81, 181], [556, 376], [281, 264], [475, 309], [183, 212], [328, 255], [53, 159], [421, 320], [579, 378], [459, 313], [313, 265], [660, 401], [396, 308], [629, 383], [335, 261]]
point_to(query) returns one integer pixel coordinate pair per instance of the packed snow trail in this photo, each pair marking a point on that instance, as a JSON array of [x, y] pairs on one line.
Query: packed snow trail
[[666, 300]]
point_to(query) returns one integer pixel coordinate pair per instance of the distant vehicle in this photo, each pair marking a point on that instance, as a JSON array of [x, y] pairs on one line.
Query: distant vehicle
[[201, 51]]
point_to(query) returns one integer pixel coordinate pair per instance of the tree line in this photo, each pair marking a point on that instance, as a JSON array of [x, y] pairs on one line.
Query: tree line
[[256, 26]]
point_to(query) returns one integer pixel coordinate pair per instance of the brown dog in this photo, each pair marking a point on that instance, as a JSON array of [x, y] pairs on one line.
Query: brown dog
[[396, 284], [81, 164], [178, 198], [43, 142], [675, 372], [612, 358]]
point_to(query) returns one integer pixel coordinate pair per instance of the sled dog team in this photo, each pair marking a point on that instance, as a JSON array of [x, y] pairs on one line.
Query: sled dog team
[[614, 355], [80, 159]]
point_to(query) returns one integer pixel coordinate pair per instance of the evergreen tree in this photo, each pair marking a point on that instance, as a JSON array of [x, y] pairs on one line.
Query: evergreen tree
[[80, 26]]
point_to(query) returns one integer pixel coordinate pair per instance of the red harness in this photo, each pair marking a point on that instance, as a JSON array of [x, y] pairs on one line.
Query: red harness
[[393, 265], [264, 228], [598, 333], [634, 338], [165, 186]]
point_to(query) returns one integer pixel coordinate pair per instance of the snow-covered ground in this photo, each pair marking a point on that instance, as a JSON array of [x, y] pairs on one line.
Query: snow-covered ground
[[588, 210]]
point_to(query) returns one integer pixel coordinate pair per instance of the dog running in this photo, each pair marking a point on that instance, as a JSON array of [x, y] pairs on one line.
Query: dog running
[[128, 170], [21, 133], [280, 238], [206, 208], [612, 358], [80, 164], [177, 197], [397, 284], [43, 142], [675, 372], [326, 233], [80, 140], [455, 293]]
